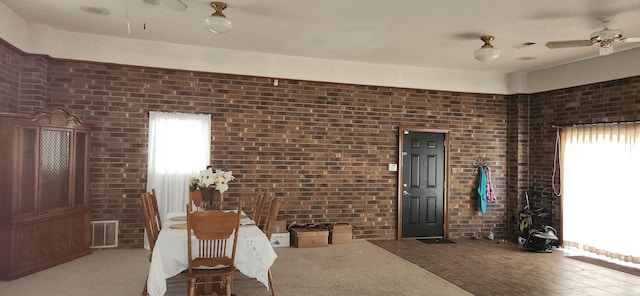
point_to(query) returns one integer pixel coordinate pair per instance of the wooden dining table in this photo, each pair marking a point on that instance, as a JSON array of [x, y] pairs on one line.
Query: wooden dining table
[[254, 253]]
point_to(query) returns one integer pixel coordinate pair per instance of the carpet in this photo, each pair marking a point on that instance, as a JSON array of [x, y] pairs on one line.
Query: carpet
[[436, 241], [607, 264], [359, 268]]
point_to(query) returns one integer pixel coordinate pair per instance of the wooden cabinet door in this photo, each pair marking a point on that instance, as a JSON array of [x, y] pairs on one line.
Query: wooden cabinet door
[[61, 236], [27, 166], [24, 247], [55, 167], [45, 236], [80, 232], [81, 169]]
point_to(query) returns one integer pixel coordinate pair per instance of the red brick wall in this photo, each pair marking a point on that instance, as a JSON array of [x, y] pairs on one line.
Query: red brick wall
[[10, 65], [518, 158], [33, 79], [323, 146]]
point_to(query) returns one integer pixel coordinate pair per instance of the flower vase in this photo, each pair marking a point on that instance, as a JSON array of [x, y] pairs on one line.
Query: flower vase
[[211, 198], [196, 198]]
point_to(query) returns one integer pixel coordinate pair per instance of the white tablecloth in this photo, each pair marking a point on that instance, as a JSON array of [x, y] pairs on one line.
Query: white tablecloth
[[254, 254]]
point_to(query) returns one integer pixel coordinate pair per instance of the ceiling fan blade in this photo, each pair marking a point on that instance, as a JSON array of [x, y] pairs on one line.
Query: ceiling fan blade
[[630, 39], [152, 2], [176, 5], [569, 43]]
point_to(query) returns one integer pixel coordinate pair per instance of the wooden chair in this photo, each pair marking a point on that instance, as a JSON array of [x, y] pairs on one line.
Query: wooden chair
[[269, 228], [274, 207], [256, 216], [216, 233], [150, 217], [154, 204]]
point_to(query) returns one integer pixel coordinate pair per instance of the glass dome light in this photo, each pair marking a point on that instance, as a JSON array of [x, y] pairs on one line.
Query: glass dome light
[[487, 52], [218, 23]]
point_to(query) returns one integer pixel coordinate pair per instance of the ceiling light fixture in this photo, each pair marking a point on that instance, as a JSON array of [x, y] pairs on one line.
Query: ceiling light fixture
[[218, 23], [487, 52]]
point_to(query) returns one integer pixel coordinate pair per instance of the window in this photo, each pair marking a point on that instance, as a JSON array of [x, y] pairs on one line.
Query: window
[[179, 147], [600, 197]]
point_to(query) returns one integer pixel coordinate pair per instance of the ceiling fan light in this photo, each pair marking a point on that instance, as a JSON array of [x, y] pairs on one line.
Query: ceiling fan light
[[487, 52], [217, 24]]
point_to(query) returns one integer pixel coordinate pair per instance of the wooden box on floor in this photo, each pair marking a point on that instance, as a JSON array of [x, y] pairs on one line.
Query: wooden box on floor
[[309, 237], [340, 233]]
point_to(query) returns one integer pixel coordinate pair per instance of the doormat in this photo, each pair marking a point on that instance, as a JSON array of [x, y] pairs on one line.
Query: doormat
[[436, 241], [607, 264]]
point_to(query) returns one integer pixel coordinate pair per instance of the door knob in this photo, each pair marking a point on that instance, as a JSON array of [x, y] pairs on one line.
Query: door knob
[[404, 192]]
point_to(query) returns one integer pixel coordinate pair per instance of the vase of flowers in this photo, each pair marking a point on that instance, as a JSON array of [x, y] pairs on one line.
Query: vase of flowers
[[207, 189]]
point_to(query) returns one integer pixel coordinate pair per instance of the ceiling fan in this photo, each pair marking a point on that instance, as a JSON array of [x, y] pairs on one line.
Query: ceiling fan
[[176, 5], [606, 37]]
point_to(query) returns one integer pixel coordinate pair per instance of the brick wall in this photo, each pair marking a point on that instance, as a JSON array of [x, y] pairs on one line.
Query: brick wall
[[518, 158], [33, 77], [324, 147], [10, 65]]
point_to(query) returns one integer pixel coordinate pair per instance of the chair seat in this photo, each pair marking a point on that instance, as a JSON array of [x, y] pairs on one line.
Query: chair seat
[[211, 271]]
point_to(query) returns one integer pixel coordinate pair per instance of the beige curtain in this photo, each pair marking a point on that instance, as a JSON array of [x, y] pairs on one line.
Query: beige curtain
[[600, 195]]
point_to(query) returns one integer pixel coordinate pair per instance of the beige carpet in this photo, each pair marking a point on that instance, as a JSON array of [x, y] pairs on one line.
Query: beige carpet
[[360, 268]]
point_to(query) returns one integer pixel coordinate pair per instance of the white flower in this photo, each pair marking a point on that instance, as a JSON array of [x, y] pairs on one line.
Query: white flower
[[222, 178], [222, 187], [208, 178]]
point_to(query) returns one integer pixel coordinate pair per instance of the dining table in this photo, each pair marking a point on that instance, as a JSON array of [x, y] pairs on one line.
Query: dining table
[[254, 253]]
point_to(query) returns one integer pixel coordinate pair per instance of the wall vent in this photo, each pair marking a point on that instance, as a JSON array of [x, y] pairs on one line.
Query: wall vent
[[105, 234]]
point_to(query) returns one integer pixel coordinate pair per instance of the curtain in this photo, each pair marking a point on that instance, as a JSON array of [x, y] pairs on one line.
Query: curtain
[[600, 200], [179, 148]]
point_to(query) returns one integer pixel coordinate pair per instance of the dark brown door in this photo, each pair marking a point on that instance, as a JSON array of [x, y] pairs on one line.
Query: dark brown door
[[423, 174]]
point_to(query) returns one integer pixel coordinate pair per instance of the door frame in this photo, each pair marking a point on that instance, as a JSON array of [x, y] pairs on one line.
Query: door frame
[[401, 133]]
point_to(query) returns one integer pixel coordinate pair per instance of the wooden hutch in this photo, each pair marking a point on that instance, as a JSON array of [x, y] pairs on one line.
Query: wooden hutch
[[44, 191]]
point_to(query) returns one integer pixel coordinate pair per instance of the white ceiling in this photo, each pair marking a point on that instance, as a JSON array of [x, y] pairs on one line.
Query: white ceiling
[[435, 34]]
